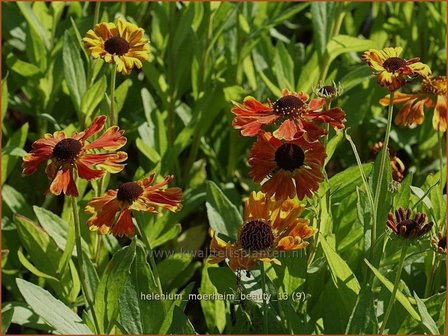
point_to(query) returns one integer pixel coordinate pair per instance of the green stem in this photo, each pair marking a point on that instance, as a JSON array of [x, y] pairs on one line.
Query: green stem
[[394, 291], [152, 261], [430, 282], [441, 145], [89, 300], [382, 164], [265, 305], [113, 77], [96, 16]]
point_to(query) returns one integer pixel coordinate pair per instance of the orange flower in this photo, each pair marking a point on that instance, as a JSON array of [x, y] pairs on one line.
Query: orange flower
[[289, 168], [292, 112], [136, 196], [76, 154], [392, 70], [433, 92], [269, 227]]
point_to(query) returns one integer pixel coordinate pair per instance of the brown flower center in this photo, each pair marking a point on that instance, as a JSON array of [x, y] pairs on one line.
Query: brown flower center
[[288, 106], [327, 90], [256, 236], [436, 85], [392, 64], [67, 150], [128, 192], [289, 157], [116, 45]]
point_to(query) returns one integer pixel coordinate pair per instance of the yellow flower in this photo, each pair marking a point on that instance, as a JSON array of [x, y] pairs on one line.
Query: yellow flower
[[269, 227], [121, 43], [392, 70]]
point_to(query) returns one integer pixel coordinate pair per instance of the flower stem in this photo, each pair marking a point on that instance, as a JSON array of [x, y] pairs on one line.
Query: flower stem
[[152, 261], [441, 145], [430, 282], [89, 301], [265, 305], [395, 289], [113, 77], [382, 164], [96, 16]]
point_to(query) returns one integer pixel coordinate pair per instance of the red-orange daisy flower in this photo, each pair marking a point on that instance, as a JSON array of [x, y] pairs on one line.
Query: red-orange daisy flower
[[75, 154], [433, 93], [293, 112], [288, 168], [136, 196]]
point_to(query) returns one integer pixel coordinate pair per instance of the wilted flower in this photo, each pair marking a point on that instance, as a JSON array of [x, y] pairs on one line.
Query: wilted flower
[[122, 43], [328, 91], [269, 226], [392, 70], [438, 242], [294, 114], [396, 165], [130, 196], [433, 93], [75, 154], [288, 168], [406, 227]]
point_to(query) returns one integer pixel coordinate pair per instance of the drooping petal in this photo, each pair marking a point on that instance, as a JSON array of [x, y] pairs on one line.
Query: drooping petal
[[440, 117], [124, 225], [63, 182]]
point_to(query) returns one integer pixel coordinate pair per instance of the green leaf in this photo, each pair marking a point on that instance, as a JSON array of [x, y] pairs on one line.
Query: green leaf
[[385, 194], [170, 267], [7, 313], [134, 307], [10, 152], [344, 184], [24, 316], [111, 286], [427, 320], [51, 310], [341, 274], [74, 72], [322, 14], [401, 200], [4, 97], [332, 145], [214, 310], [183, 27], [15, 201], [363, 318], [399, 296], [148, 151], [30, 267], [343, 44], [121, 93], [34, 22], [284, 67], [223, 279], [222, 214], [42, 250], [93, 97]]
